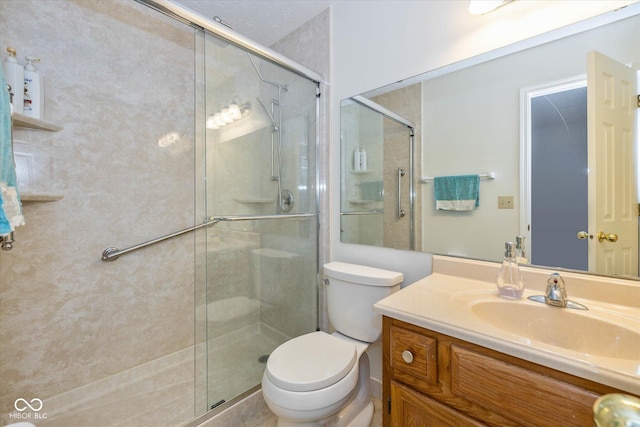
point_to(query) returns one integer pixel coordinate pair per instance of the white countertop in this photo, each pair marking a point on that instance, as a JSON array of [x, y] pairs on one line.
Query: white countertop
[[439, 302]]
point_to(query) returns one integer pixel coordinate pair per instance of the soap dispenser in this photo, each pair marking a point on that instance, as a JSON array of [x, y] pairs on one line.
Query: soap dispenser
[[14, 74], [510, 282], [521, 250]]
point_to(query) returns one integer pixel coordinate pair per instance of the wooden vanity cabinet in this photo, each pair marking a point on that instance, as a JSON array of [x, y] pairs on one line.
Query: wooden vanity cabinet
[[431, 379]]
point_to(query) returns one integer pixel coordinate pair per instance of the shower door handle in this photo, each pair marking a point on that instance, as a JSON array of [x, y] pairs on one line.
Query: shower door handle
[[401, 213]]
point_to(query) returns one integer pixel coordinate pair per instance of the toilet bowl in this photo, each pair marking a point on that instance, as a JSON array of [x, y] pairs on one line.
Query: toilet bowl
[[321, 379]]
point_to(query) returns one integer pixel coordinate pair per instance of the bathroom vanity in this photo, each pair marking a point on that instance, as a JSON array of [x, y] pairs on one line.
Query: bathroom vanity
[[447, 360]]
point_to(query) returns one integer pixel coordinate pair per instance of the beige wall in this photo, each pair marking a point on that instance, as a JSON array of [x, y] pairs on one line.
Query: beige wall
[[117, 77]]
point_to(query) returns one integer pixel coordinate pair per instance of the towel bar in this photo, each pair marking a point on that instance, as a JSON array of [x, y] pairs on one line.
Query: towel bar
[[488, 175], [112, 253]]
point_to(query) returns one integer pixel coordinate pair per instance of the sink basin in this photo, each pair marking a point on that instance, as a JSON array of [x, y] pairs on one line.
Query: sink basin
[[573, 330]]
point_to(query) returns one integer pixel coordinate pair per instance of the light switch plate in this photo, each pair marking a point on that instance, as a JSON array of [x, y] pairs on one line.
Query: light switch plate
[[505, 202]]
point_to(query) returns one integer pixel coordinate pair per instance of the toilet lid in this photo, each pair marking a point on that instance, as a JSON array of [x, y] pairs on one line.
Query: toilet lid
[[310, 362]]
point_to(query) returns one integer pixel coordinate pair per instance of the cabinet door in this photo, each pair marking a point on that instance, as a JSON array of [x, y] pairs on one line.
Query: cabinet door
[[414, 357], [518, 394], [412, 409]]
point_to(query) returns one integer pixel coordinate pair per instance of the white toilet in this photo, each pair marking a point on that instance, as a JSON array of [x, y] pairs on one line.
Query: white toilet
[[321, 379]]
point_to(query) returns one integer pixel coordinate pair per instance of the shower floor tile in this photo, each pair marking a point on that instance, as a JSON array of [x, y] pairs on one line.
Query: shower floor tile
[[234, 364]]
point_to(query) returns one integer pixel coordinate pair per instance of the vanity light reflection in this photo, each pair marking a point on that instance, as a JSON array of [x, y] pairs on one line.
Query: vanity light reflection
[[228, 114]]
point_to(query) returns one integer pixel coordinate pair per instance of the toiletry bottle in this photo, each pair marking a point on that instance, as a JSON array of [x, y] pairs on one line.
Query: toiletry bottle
[[356, 159], [510, 282], [521, 250], [363, 159], [33, 99], [14, 74]]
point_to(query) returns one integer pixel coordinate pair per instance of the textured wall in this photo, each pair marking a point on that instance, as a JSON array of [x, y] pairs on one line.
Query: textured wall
[[118, 77]]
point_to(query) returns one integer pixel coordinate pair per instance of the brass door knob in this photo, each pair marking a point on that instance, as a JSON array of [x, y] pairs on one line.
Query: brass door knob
[[611, 237], [584, 235]]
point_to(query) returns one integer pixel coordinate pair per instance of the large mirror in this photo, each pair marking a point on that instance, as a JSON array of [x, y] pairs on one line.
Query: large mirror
[[533, 126]]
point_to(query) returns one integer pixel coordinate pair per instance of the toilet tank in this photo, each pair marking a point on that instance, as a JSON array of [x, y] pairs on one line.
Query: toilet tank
[[352, 290]]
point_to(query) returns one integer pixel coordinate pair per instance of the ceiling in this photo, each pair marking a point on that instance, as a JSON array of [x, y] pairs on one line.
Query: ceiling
[[264, 21]]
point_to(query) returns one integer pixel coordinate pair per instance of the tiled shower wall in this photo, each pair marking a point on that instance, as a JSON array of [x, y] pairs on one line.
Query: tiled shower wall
[[118, 77]]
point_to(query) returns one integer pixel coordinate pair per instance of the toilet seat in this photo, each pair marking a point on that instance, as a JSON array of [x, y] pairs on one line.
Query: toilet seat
[[311, 362]]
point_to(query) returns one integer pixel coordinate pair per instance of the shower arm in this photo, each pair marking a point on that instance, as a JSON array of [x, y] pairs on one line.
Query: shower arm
[[261, 77], [112, 253]]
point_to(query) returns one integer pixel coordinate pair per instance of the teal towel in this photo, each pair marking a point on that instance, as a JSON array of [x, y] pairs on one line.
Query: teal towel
[[457, 193], [10, 207]]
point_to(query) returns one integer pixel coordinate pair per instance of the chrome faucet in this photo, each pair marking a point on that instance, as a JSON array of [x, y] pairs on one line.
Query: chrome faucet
[[556, 294]]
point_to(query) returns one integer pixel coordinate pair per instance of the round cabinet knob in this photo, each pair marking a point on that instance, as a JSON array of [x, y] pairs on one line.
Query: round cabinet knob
[[407, 356]]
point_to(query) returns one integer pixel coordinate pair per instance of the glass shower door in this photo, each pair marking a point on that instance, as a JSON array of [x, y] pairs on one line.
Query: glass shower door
[[261, 255]]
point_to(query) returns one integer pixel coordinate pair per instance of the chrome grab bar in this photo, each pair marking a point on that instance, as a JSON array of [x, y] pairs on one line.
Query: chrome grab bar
[[259, 217], [374, 212], [401, 213], [112, 253]]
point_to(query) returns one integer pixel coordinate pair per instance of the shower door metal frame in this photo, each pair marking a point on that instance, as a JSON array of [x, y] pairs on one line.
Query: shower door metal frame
[[193, 18]]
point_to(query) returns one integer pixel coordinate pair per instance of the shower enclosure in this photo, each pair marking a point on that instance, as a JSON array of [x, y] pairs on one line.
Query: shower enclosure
[[259, 187], [172, 126]]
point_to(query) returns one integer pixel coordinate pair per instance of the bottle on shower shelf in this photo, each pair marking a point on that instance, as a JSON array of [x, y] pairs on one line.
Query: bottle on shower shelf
[[14, 74], [363, 159], [33, 90]]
